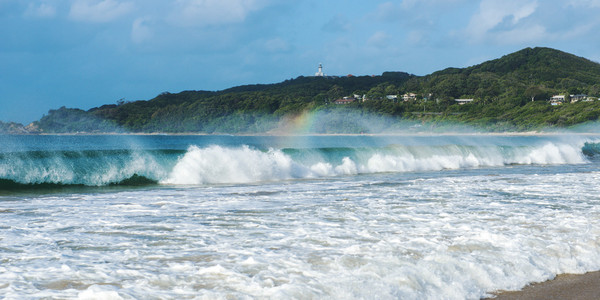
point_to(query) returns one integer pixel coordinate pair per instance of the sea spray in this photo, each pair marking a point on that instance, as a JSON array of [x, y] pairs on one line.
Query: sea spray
[[450, 235], [216, 164], [230, 164], [511, 211], [87, 168]]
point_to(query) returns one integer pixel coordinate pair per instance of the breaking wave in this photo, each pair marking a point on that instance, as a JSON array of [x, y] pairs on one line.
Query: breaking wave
[[591, 149], [216, 164], [224, 165], [55, 169]]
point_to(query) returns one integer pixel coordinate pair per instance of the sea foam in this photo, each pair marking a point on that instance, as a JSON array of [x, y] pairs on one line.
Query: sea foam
[[217, 164], [245, 164]]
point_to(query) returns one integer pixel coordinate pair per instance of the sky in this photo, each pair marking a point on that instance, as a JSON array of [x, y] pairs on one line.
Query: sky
[[86, 53]]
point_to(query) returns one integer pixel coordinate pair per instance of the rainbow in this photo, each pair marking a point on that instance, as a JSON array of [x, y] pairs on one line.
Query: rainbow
[[302, 123]]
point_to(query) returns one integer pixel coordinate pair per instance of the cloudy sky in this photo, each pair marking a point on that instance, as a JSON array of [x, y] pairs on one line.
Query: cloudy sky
[[85, 53]]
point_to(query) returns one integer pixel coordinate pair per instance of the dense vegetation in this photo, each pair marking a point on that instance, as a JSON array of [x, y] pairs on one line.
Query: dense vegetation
[[510, 93]]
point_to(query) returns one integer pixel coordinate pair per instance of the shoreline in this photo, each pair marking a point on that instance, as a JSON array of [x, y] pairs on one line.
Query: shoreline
[[565, 286], [284, 134]]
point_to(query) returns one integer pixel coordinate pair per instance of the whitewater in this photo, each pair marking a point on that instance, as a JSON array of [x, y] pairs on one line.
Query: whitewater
[[303, 217]]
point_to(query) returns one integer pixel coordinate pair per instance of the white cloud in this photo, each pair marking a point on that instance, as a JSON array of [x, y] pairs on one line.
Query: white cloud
[[42, 10], [379, 39], [338, 23], [580, 30], [409, 4], [416, 37], [585, 3], [140, 32], [526, 34], [415, 13], [387, 11], [277, 45], [99, 11], [213, 12], [503, 19]]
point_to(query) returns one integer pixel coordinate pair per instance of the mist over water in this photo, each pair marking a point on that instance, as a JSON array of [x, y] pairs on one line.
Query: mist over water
[[346, 121], [204, 162], [215, 164], [335, 217]]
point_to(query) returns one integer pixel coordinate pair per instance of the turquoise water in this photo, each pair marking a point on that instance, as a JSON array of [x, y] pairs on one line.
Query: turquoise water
[[47, 161], [338, 217]]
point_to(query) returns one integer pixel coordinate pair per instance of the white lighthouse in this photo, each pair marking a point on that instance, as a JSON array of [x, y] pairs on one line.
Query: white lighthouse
[[320, 72]]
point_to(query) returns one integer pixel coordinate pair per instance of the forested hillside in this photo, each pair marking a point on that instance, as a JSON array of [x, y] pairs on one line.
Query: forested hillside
[[12, 128], [509, 93]]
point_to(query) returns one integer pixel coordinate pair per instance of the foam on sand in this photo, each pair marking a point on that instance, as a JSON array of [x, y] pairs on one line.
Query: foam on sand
[[567, 286]]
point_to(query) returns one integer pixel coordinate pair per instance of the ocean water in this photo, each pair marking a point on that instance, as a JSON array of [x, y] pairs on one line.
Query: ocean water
[[306, 217]]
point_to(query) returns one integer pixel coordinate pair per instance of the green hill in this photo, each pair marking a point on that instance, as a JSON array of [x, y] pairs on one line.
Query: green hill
[[509, 93], [12, 128]]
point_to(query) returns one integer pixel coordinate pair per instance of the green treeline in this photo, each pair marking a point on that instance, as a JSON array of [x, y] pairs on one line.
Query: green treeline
[[509, 94]]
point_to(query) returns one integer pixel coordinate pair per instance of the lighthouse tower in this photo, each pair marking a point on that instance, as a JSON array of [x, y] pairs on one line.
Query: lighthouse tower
[[320, 72]]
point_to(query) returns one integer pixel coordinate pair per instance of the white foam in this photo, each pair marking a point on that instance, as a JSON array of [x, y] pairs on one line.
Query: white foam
[[95, 292], [551, 153], [216, 164], [77, 168], [348, 167], [220, 164], [452, 237]]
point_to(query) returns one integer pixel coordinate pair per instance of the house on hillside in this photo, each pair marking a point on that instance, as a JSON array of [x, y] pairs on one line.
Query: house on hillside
[[578, 97], [463, 101], [409, 97], [557, 99], [345, 100], [392, 97]]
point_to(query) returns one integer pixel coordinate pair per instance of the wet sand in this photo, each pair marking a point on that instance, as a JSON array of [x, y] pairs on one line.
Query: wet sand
[[568, 286]]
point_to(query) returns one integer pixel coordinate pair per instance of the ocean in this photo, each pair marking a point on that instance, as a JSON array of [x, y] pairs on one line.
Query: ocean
[[294, 217]]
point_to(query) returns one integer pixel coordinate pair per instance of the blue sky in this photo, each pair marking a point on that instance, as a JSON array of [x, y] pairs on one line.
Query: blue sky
[[85, 53]]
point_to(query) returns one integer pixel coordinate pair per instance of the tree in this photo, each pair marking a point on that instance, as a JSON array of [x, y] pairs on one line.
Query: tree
[[536, 92]]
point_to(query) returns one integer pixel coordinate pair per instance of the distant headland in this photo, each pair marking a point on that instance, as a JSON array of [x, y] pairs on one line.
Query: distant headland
[[530, 90]]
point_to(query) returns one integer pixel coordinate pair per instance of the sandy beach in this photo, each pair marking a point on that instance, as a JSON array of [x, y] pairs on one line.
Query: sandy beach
[[567, 286]]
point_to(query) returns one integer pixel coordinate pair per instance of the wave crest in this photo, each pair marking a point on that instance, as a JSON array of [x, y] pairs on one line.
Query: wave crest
[[218, 165], [85, 168], [244, 164]]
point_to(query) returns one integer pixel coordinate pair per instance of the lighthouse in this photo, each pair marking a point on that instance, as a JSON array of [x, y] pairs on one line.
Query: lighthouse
[[320, 72]]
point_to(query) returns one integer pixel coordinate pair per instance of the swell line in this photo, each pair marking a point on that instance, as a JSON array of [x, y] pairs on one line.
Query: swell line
[[245, 164]]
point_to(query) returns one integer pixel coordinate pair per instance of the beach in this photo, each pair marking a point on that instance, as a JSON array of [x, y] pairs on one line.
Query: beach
[[567, 286]]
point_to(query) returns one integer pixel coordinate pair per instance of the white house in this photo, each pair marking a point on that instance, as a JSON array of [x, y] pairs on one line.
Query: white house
[[345, 100], [409, 96], [578, 97], [463, 101], [557, 99]]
